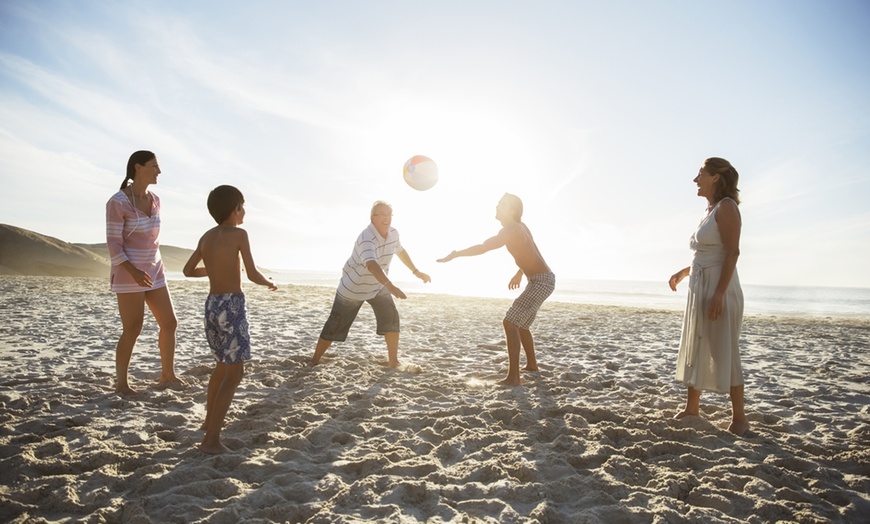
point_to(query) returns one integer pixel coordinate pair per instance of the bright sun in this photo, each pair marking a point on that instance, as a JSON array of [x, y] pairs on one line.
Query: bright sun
[[480, 156]]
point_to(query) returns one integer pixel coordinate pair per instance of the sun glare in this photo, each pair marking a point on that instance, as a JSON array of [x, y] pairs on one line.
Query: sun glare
[[480, 156]]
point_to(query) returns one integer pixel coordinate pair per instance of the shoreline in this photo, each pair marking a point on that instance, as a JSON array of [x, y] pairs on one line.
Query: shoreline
[[777, 301], [417, 290]]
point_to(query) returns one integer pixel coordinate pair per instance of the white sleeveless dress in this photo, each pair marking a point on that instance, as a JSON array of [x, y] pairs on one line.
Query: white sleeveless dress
[[709, 358]]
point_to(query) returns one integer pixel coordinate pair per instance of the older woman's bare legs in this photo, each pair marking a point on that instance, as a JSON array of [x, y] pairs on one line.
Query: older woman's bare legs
[[693, 403], [739, 422]]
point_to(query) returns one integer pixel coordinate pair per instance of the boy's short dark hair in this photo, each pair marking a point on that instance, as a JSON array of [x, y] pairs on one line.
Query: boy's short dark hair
[[222, 201]]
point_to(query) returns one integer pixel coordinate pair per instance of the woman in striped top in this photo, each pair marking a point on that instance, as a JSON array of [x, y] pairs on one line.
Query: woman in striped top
[[132, 236]]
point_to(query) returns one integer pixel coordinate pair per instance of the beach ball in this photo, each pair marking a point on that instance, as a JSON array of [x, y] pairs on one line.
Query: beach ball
[[420, 172]]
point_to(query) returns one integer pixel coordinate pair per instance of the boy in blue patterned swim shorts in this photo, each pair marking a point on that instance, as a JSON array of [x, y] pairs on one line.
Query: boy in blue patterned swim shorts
[[226, 322], [541, 282]]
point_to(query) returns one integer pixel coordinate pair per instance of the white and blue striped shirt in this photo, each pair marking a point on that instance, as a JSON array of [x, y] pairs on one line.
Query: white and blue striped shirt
[[357, 283]]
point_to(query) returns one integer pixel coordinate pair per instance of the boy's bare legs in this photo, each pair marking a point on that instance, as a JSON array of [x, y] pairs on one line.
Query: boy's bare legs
[[512, 336], [214, 384], [322, 346], [160, 303], [739, 423], [392, 339], [228, 377], [528, 344], [131, 307], [693, 403]]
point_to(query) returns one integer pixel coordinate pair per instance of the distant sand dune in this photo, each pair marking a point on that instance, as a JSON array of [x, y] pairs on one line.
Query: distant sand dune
[[24, 252]]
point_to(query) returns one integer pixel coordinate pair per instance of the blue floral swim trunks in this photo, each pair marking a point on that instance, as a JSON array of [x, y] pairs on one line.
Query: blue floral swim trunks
[[226, 328]]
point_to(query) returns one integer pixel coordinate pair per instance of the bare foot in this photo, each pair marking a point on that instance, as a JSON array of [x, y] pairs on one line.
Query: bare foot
[[685, 414], [531, 368], [126, 391], [218, 449], [510, 382], [168, 378], [171, 383], [393, 364], [739, 427]]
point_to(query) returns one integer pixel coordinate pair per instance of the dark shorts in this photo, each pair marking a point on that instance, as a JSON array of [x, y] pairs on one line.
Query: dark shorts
[[344, 312], [226, 328]]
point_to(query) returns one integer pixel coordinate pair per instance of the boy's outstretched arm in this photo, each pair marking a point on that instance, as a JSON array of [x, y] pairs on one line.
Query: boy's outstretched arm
[[190, 269], [487, 245], [254, 274]]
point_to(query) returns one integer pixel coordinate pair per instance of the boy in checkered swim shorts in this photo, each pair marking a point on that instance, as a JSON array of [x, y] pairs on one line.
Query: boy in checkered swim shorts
[[517, 238]]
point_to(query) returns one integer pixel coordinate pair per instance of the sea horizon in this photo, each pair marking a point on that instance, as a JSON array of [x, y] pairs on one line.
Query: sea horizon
[[770, 300]]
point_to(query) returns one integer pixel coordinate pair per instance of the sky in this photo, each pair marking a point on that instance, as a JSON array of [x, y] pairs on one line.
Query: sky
[[597, 114]]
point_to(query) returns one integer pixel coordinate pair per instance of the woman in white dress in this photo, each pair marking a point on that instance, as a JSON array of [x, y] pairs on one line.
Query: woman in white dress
[[709, 358]]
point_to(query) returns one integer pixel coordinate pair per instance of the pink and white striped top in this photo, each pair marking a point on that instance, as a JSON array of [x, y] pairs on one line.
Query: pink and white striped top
[[133, 236]]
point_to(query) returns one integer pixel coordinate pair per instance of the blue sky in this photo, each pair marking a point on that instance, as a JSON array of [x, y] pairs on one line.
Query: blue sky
[[597, 114]]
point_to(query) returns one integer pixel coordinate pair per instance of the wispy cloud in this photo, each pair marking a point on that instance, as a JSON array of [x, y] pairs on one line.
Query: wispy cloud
[[311, 112]]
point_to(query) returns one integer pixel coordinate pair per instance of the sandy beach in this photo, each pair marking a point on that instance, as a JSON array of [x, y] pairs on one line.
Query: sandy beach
[[588, 438]]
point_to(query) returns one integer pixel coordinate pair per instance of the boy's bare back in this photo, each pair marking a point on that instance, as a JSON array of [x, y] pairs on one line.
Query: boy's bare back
[[219, 248]]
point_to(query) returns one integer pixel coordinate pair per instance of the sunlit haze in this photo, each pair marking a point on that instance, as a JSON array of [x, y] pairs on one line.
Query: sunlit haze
[[597, 114]]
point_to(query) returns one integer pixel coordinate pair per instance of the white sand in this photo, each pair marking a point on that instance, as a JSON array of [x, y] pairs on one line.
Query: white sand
[[589, 438]]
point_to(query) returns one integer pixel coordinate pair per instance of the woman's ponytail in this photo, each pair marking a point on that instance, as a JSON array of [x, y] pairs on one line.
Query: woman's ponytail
[[139, 157]]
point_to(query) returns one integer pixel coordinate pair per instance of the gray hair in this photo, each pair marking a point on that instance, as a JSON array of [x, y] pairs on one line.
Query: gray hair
[[380, 203]]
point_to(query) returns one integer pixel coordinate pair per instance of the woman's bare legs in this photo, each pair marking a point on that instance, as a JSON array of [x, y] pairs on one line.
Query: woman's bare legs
[[131, 307], [693, 403], [160, 303], [739, 423]]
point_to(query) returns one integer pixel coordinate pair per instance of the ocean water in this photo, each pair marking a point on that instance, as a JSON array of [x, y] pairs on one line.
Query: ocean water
[[790, 301]]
